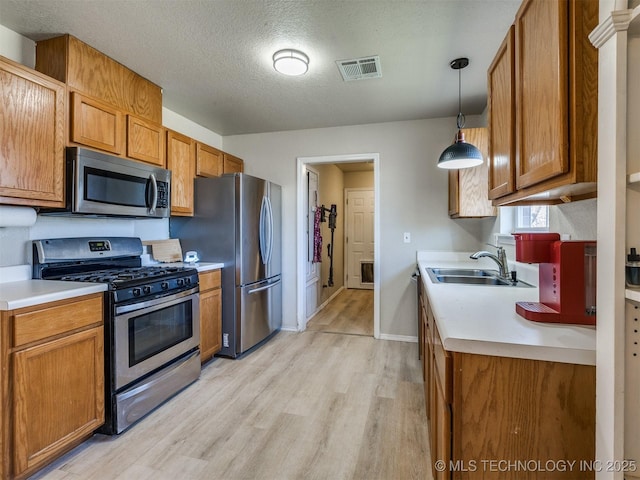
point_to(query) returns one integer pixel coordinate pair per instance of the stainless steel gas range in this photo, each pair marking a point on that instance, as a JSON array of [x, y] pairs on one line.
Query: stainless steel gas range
[[152, 332]]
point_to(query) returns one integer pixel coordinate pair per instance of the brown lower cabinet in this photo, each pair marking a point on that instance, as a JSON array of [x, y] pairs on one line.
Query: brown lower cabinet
[[52, 391], [493, 417], [210, 314]]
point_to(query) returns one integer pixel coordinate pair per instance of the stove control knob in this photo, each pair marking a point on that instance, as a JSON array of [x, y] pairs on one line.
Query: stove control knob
[[136, 292], [164, 285], [146, 289], [180, 282], [187, 281]]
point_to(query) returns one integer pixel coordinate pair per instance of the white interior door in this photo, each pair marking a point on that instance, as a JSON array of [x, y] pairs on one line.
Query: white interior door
[[359, 239]]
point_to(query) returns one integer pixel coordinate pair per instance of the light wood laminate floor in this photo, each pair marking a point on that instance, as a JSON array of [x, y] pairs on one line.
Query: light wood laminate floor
[[351, 312], [308, 405]]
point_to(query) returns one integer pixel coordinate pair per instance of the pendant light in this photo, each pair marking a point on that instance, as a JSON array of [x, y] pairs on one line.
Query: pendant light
[[461, 154]]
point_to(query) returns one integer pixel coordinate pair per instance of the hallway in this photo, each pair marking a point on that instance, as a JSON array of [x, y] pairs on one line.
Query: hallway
[[307, 405], [351, 313]]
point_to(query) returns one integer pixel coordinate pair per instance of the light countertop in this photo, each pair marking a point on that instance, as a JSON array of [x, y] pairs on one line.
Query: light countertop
[[483, 320], [200, 266], [18, 290]]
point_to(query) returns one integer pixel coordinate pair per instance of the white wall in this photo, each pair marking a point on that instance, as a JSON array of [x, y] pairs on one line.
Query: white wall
[[17, 48], [413, 198]]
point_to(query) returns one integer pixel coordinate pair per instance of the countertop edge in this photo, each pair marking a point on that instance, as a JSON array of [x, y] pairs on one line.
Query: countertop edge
[[25, 296]]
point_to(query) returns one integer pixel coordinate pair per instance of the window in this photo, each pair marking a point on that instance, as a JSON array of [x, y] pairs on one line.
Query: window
[[534, 217]]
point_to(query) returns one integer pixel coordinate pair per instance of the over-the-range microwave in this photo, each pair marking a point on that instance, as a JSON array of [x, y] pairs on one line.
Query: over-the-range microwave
[[100, 185]]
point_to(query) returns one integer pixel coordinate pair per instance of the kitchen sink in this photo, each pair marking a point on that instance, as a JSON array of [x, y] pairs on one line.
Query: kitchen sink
[[471, 280], [472, 277], [464, 272]]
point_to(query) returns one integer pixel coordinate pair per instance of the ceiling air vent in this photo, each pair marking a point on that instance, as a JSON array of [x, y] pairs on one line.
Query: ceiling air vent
[[360, 68]]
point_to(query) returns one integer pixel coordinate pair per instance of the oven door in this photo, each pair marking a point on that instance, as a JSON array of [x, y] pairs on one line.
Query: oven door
[[148, 335]]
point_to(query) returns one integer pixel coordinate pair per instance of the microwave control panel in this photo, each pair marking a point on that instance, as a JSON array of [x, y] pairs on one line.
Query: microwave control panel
[[163, 195]]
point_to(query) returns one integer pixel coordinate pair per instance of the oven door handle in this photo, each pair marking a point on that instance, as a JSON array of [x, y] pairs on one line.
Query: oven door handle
[[156, 301]]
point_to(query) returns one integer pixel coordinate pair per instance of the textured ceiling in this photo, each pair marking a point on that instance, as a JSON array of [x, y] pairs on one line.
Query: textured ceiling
[[213, 57]]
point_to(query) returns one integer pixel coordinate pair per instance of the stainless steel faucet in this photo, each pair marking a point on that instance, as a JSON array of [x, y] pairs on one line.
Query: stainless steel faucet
[[500, 259]]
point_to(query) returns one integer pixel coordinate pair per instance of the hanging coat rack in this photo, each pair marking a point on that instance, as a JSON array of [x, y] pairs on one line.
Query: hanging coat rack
[[333, 213]]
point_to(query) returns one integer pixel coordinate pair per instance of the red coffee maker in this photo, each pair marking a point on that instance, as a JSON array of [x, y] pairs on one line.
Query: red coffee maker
[[567, 278]]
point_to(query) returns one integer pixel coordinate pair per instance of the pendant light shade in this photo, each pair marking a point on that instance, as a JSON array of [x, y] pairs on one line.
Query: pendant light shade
[[461, 154]]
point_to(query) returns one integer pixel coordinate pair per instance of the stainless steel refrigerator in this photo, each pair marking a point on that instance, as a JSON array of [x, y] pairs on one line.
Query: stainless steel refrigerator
[[237, 221]]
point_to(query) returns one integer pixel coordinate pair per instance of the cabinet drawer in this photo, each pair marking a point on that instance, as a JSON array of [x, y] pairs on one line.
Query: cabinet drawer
[[442, 365], [209, 280], [32, 326]]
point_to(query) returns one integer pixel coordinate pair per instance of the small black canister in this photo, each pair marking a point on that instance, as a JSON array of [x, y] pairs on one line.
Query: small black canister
[[632, 269]]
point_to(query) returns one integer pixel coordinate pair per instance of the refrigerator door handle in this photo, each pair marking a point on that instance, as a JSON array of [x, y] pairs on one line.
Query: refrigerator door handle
[[265, 287], [263, 240], [270, 230], [266, 230]]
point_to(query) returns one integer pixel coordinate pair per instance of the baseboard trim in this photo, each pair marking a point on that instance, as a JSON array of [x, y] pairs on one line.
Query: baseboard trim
[[289, 329], [325, 303], [398, 338]]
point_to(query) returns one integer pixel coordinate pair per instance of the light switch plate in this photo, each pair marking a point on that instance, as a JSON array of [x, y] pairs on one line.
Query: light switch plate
[[407, 237]]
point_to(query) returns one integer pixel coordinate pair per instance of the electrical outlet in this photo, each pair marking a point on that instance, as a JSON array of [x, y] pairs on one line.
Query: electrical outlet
[[407, 237]]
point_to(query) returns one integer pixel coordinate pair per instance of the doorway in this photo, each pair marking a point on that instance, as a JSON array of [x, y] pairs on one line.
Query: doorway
[[371, 268], [359, 214]]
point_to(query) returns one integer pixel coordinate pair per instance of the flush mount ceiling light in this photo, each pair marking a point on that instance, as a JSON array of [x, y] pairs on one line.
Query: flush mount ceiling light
[[461, 154], [290, 62]]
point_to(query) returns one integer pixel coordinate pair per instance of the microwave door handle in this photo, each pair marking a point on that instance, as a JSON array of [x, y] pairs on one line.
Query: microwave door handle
[[154, 193]]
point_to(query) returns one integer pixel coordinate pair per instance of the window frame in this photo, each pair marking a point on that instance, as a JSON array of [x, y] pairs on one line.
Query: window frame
[[517, 213]]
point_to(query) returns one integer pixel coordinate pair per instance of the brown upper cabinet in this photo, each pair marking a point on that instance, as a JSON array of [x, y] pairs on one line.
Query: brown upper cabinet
[[32, 108], [553, 99], [87, 70], [209, 161], [96, 124], [232, 164], [468, 186], [502, 119], [181, 160], [145, 141]]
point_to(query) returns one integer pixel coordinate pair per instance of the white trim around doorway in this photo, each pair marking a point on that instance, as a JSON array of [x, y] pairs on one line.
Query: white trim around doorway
[[301, 237]]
